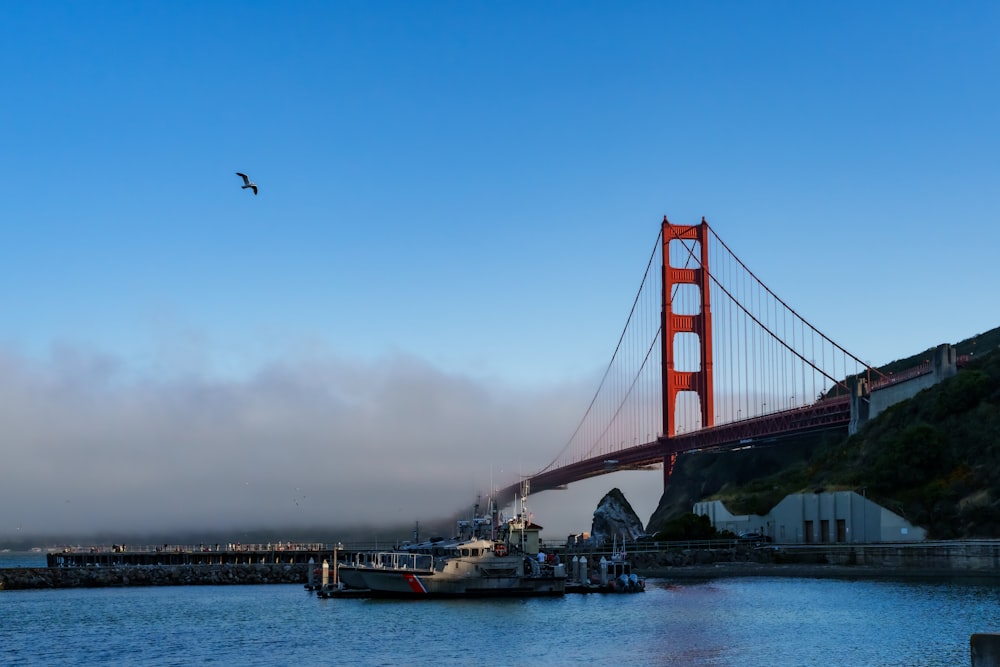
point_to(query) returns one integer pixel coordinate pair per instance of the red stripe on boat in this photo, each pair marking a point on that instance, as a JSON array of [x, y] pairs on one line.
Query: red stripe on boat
[[415, 584]]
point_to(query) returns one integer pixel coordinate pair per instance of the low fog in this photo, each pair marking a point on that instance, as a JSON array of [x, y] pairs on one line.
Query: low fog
[[87, 446]]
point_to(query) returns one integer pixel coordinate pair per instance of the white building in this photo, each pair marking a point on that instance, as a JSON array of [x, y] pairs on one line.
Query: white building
[[816, 518]]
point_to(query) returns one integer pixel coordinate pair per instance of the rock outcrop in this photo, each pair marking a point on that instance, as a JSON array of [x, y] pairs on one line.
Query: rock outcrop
[[701, 475], [615, 518]]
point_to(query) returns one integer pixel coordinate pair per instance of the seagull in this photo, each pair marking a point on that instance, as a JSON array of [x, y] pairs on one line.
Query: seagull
[[247, 183]]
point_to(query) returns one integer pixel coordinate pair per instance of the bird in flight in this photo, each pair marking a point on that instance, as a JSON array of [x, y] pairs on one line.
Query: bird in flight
[[247, 183]]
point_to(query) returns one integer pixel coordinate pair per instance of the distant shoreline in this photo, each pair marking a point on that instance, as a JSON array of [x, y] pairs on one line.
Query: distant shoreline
[[726, 570]]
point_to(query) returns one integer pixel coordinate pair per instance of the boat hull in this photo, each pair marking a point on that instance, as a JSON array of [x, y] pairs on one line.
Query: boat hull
[[433, 584], [350, 576]]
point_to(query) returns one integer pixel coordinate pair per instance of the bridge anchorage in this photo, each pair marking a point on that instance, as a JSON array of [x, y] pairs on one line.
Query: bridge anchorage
[[710, 358]]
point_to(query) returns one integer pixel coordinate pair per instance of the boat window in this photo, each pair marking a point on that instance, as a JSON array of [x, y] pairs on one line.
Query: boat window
[[465, 552]]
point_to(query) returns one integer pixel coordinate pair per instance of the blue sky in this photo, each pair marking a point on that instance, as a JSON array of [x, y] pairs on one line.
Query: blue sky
[[455, 197]]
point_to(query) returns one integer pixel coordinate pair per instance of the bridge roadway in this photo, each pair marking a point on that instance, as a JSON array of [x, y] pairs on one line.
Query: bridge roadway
[[829, 414]]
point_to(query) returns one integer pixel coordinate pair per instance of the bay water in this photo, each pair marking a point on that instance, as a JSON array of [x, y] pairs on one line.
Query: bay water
[[729, 621]]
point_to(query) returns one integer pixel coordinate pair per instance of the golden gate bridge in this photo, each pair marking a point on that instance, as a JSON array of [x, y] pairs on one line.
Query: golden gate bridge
[[709, 358]]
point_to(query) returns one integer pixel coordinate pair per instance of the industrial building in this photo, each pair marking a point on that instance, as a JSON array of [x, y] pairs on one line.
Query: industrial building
[[843, 517]]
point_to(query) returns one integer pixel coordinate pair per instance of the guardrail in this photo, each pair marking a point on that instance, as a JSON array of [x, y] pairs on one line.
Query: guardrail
[[190, 548], [643, 546]]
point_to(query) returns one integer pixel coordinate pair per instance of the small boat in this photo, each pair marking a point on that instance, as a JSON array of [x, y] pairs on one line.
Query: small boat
[[620, 576], [611, 575]]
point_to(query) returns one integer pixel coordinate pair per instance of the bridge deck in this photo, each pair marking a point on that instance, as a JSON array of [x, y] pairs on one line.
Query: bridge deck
[[830, 414]]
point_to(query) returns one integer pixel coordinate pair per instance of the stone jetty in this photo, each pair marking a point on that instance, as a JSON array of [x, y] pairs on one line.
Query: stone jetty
[[153, 575], [95, 568]]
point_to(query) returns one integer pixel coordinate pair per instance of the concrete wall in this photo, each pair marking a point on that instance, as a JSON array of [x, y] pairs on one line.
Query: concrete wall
[[985, 649], [981, 557], [867, 405], [943, 366]]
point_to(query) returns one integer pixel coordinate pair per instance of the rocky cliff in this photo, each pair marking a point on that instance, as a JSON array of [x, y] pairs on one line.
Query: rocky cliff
[[702, 475]]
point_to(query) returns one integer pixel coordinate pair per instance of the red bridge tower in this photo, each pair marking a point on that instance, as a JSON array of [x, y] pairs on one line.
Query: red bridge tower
[[700, 324]]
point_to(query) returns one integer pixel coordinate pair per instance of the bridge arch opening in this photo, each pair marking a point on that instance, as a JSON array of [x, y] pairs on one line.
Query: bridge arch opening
[[687, 352], [687, 412], [685, 299], [683, 253]]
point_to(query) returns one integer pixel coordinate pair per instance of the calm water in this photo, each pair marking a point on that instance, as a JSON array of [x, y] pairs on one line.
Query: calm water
[[752, 621], [22, 559]]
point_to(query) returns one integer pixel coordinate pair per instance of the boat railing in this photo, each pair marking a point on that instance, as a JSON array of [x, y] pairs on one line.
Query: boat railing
[[401, 560]]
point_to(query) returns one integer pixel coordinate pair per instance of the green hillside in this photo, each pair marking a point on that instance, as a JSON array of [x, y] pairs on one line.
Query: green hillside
[[934, 459], [970, 347]]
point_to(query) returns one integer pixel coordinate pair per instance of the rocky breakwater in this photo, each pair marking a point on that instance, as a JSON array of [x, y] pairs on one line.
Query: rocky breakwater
[[153, 575], [652, 561]]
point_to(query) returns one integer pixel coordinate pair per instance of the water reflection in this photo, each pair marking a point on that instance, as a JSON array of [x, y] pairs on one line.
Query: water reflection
[[752, 621]]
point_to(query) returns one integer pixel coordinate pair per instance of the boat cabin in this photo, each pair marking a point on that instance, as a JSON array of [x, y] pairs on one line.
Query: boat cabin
[[524, 535]]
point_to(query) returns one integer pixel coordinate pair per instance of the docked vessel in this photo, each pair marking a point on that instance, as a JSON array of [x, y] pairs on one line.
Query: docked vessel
[[610, 575], [620, 578], [617, 573], [486, 559], [474, 568]]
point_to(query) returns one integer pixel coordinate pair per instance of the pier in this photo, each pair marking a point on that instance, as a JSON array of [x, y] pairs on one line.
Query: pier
[[200, 554]]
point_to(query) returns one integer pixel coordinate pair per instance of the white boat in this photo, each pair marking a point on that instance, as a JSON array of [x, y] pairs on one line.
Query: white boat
[[474, 568], [485, 559]]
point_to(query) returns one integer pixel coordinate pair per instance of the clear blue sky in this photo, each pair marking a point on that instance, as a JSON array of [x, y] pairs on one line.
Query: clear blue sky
[[459, 195]]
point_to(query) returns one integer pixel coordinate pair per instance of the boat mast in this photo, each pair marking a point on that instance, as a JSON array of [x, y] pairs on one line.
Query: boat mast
[[525, 487]]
